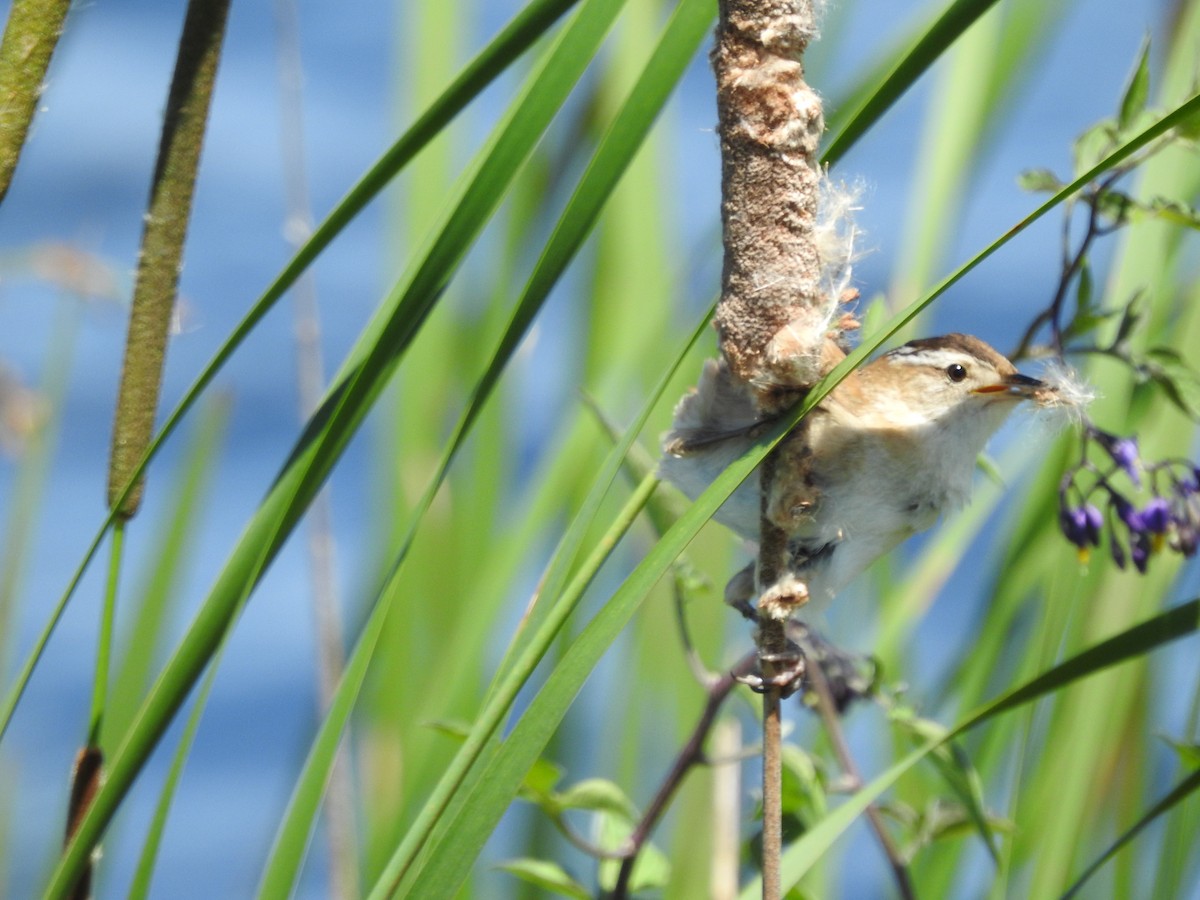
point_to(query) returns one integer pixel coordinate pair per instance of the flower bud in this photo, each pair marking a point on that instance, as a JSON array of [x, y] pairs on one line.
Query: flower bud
[[1128, 514], [1140, 552], [1074, 524], [1124, 452], [1156, 516], [1094, 522]]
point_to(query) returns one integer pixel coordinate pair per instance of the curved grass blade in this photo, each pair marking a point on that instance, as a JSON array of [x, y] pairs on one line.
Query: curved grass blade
[[1180, 792], [449, 791], [630, 126], [1171, 625], [957, 18], [362, 377], [139, 889], [526, 27], [681, 39], [497, 784]]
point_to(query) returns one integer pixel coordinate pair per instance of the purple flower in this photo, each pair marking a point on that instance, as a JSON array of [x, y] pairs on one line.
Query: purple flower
[[1094, 521], [1127, 514], [1189, 483], [1140, 551], [1170, 516], [1156, 517], [1124, 452], [1074, 524]]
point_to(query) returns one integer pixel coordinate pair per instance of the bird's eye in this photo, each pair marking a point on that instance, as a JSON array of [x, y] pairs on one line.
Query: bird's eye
[[956, 372]]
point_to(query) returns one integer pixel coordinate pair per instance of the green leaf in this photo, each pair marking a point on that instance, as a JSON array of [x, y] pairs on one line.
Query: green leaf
[[1188, 754], [651, 869], [1117, 206], [1039, 181], [599, 795], [1093, 145], [1133, 102], [1085, 298], [1178, 380], [1088, 316], [804, 783], [541, 779], [1175, 212], [1189, 128], [451, 728], [549, 876], [956, 770]]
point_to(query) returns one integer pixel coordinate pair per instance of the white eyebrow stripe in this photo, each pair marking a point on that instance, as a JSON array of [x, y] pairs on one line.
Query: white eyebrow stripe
[[924, 356]]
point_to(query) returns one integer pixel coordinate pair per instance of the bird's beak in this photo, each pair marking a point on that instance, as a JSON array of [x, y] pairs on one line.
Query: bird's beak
[[1016, 385]]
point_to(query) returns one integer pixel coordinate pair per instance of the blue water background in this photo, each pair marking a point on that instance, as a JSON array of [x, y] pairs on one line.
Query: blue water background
[[84, 180]]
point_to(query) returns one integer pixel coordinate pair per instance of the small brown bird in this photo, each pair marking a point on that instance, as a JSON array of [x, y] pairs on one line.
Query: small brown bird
[[890, 449]]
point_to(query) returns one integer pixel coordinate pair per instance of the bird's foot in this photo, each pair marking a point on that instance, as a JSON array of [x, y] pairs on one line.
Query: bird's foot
[[787, 672]]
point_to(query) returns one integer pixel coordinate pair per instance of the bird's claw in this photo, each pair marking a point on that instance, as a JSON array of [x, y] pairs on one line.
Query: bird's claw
[[788, 675]]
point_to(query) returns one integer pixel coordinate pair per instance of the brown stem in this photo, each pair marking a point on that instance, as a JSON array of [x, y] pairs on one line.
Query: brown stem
[[772, 653], [85, 781], [1072, 263], [691, 754], [772, 794]]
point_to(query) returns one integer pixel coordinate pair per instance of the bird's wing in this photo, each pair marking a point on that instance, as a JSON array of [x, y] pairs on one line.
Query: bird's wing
[[720, 407]]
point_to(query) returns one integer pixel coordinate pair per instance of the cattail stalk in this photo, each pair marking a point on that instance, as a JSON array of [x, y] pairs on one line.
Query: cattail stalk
[[29, 40], [773, 314], [162, 244]]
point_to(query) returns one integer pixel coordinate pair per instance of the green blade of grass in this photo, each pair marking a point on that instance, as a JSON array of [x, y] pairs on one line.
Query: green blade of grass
[[139, 888], [359, 383], [680, 40], [530, 24], [629, 128], [1176, 795], [1169, 626], [957, 18], [516, 674]]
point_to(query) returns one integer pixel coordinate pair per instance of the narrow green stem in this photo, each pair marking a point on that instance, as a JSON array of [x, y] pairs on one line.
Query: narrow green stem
[[104, 644]]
